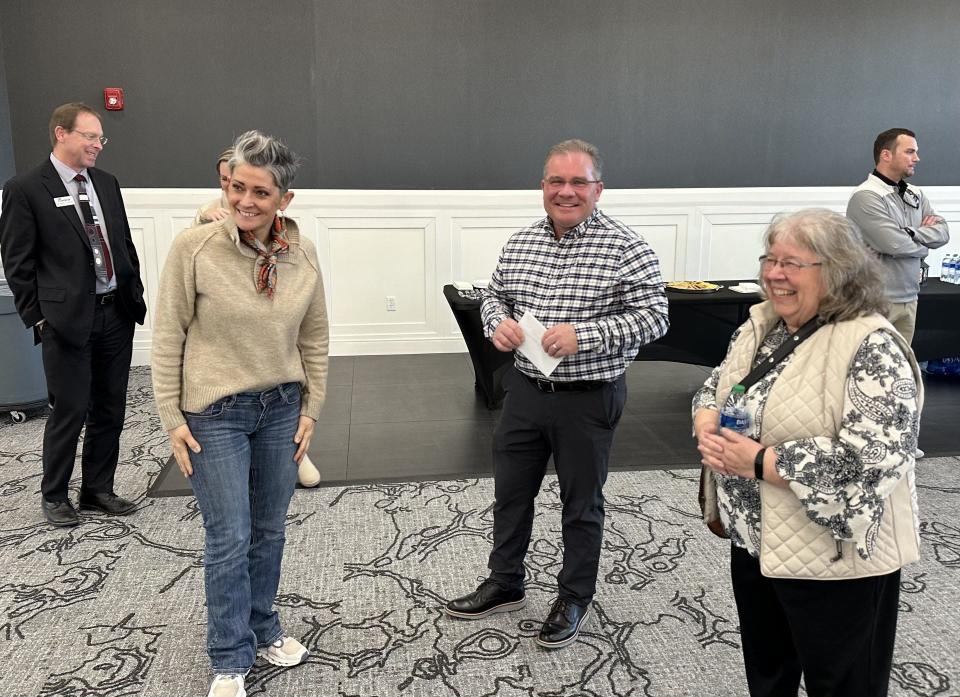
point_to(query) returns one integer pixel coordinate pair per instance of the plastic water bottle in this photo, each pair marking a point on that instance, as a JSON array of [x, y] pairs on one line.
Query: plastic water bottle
[[734, 414], [953, 268], [945, 269]]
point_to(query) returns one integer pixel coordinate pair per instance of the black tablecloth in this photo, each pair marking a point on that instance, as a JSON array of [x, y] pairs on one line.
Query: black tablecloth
[[938, 328], [701, 326], [488, 363]]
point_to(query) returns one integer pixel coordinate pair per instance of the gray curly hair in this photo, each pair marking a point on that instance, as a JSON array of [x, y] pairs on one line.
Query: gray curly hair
[[852, 274]]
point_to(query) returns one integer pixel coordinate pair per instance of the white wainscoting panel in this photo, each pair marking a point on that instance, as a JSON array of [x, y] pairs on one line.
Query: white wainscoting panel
[[477, 242], [373, 259]]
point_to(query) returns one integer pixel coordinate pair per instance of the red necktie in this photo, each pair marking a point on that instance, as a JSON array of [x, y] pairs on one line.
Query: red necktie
[[102, 263]]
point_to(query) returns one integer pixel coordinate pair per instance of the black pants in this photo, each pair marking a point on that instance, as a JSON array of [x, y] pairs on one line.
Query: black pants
[[839, 634], [87, 386], [577, 429]]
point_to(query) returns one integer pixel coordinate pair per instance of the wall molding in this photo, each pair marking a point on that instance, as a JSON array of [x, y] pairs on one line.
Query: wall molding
[[409, 244]]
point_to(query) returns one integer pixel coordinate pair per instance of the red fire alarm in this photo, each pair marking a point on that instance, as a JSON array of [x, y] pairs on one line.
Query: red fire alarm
[[113, 98]]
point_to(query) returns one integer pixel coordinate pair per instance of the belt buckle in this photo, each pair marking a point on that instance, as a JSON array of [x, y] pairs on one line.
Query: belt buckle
[[105, 299], [545, 385]]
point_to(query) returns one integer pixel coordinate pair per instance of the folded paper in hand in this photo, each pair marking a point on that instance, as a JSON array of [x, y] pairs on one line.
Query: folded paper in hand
[[532, 347]]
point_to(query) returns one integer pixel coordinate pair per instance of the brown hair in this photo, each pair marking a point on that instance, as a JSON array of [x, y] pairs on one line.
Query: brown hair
[[888, 141], [224, 157], [65, 116]]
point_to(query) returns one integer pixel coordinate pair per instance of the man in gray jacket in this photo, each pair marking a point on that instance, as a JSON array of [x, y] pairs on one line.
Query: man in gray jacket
[[898, 222]]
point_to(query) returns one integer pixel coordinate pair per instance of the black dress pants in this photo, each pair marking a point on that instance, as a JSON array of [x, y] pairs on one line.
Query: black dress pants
[[838, 634], [577, 429], [87, 385]]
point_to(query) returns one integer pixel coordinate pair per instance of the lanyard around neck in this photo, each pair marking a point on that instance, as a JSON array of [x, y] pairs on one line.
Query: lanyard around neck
[[785, 349]]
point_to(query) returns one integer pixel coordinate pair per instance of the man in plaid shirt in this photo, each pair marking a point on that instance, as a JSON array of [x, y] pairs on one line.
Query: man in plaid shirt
[[596, 286]]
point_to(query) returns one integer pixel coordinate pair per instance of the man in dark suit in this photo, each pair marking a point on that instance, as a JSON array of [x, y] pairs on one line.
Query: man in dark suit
[[70, 261]]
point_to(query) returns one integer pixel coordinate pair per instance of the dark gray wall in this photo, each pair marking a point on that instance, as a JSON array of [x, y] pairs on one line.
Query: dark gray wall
[[469, 93], [6, 144]]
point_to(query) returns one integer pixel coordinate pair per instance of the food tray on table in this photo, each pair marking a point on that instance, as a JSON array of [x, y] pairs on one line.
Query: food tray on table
[[693, 287]]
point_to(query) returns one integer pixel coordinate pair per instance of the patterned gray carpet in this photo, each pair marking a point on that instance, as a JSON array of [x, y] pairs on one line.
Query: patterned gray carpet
[[114, 607]]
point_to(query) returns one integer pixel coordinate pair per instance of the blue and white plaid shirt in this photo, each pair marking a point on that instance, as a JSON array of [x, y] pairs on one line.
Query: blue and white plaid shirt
[[601, 277]]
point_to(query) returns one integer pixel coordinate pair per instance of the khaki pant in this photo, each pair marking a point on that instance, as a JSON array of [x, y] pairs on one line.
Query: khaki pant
[[903, 316]]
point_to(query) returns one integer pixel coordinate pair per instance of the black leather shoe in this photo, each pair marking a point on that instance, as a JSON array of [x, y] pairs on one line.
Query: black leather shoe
[[106, 503], [562, 624], [60, 513], [489, 598]]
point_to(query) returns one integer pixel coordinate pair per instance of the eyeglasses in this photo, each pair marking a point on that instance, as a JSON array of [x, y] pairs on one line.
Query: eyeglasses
[[789, 266], [92, 137], [577, 183], [910, 198]]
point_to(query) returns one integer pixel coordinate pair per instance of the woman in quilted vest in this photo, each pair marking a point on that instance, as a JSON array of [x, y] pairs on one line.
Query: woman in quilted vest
[[817, 493]]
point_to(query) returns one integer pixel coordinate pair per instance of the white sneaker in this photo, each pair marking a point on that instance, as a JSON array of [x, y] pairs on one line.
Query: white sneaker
[[227, 686], [307, 473], [285, 651], [918, 454]]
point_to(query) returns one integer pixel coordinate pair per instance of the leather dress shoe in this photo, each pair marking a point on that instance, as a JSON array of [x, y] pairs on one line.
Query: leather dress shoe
[[562, 624], [106, 502], [59, 513], [489, 598]]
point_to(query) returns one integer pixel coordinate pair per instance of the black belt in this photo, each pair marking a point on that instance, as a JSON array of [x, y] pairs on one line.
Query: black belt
[[577, 386], [106, 298]]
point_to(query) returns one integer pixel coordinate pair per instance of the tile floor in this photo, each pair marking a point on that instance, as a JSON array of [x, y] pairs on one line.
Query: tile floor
[[418, 416]]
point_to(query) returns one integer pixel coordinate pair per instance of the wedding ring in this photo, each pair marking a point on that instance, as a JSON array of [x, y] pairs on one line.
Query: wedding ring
[[554, 347]]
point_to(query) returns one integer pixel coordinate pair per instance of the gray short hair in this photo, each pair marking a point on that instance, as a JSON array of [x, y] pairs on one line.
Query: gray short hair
[[851, 272], [260, 150], [576, 145]]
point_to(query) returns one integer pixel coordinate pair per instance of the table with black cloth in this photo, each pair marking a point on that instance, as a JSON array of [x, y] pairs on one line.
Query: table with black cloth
[[938, 321], [701, 325]]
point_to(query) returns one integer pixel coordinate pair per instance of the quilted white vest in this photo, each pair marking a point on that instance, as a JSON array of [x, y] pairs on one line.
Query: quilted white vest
[[806, 401]]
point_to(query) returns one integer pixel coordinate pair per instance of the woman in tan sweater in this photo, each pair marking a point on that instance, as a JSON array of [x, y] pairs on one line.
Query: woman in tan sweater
[[239, 373], [218, 209]]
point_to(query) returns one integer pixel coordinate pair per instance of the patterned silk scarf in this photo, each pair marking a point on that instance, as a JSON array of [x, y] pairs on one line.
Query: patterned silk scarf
[[266, 274]]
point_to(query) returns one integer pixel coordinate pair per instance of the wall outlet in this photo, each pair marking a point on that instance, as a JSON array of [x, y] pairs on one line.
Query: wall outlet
[[391, 303]]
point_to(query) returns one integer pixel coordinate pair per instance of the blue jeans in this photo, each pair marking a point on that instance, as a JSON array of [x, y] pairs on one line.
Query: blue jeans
[[243, 478]]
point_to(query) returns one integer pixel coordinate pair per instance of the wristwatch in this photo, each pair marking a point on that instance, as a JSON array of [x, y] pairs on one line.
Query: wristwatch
[[758, 464]]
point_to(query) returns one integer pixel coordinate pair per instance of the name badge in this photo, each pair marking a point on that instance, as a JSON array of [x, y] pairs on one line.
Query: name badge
[[63, 201]]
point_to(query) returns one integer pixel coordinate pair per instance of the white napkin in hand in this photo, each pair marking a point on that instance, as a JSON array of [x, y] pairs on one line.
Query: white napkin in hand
[[532, 348]]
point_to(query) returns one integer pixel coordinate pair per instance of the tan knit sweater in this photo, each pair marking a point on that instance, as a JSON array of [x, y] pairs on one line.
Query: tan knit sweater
[[214, 335], [202, 212]]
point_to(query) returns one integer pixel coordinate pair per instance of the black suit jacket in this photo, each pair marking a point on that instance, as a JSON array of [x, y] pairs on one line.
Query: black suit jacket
[[47, 257]]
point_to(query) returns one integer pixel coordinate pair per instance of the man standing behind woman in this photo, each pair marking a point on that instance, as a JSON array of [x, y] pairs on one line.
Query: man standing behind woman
[[239, 372]]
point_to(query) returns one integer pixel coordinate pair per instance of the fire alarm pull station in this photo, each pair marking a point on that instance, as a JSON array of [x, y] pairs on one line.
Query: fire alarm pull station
[[113, 98]]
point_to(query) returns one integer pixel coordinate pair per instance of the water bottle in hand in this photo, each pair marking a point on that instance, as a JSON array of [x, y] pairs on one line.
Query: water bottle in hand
[[734, 414]]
